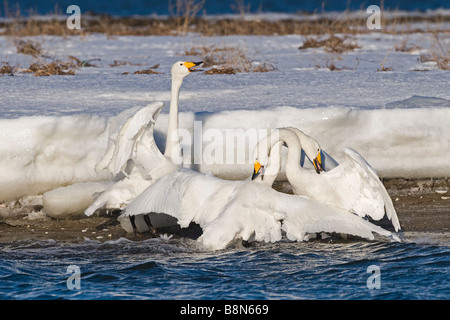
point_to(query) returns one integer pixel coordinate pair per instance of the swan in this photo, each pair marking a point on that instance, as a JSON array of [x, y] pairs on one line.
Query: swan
[[179, 71], [352, 185], [245, 209], [135, 142]]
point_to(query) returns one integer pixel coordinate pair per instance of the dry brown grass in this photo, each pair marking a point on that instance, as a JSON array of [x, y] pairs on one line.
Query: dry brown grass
[[150, 70], [332, 44], [227, 60], [440, 51], [40, 67], [146, 71], [383, 66], [6, 69], [51, 69], [184, 12], [29, 47], [118, 63], [221, 70], [264, 67], [403, 46], [222, 56]]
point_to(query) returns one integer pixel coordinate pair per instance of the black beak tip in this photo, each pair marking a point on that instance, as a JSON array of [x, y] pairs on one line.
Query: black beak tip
[[318, 166]]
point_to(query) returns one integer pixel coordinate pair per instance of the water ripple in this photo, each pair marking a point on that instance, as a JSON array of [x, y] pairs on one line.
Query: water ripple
[[176, 269]]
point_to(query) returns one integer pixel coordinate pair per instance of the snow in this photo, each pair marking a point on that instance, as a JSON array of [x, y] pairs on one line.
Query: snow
[[54, 130]]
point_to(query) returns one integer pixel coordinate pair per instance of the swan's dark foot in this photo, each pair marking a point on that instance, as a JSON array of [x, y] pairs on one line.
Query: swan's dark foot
[[246, 244], [133, 224], [149, 224]]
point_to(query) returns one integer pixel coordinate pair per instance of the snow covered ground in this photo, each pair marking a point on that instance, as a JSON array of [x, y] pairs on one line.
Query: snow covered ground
[[53, 130]]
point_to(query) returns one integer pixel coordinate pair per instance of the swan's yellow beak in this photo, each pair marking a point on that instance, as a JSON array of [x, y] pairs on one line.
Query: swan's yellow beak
[[318, 163], [191, 65], [257, 168]]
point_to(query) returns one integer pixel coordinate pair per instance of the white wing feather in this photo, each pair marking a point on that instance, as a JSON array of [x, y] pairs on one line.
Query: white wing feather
[[359, 189], [377, 186], [183, 194], [125, 146], [317, 217]]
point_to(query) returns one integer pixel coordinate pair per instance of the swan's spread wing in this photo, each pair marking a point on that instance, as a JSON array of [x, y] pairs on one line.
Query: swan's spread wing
[[377, 186], [186, 195], [359, 189], [125, 143], [259, 212], [308, 216]]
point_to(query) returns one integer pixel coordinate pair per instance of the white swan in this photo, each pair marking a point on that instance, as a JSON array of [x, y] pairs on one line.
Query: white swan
[[353, 185], [133, 155], [230, 210], [179, 70]]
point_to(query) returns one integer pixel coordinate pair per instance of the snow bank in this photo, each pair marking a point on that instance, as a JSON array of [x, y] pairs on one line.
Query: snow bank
[[38, 154], [72, 200], [41, 153]]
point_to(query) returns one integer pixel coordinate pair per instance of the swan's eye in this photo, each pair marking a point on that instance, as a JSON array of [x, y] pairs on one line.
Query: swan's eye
[[181, 64]]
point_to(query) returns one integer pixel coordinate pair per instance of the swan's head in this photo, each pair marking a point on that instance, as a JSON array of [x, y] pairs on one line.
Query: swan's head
[[258, 170], [311, 148], [313, 151], [317, 162], [181, 69]]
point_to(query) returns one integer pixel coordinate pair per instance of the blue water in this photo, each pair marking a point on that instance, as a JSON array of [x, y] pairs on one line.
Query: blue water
[[148, 7], [176, 269]]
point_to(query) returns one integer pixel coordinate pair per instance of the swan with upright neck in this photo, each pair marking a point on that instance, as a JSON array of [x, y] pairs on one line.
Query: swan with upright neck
[[179, 71], [352, 185], [133, 155]]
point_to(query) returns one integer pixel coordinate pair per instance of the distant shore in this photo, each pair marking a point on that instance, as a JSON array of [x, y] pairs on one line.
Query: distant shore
[[393, 22]]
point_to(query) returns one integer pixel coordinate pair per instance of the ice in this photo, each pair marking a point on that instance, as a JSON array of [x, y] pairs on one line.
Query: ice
[[41, 153], [419, 102], [72, 200]]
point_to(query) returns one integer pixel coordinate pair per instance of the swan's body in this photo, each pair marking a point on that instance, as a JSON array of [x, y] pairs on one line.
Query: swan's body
[[133, 156], [230, 210], [353, 185]]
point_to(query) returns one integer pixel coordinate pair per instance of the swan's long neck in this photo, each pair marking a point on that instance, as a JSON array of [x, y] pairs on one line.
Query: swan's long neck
[[295, 174], [173, 139], [268, 153], [294, 146]]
